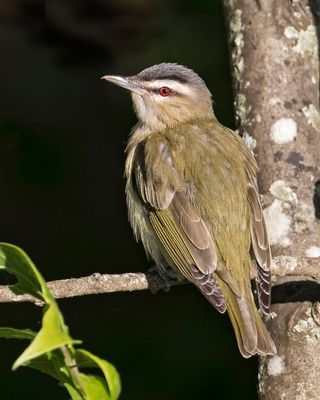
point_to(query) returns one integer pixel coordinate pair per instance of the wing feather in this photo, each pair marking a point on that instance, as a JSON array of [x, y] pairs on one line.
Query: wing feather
[[261, 249], [174, 243], [199, 240], [177, 223]]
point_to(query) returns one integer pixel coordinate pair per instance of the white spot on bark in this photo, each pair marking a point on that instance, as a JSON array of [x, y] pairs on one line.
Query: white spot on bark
[[278, 223], [258, 118], [305, 212], [291, 263], [312, 115], [302, 325], [313, 80], [305, 39], [290, 32], [285, 242], [282, 192], [313, 251], [275, 100], [284, 130], [270, 316], [308, 327], [249, 141], [276, 365]]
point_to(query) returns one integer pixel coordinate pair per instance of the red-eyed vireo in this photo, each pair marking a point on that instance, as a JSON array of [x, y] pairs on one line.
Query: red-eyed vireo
[[192, 197]]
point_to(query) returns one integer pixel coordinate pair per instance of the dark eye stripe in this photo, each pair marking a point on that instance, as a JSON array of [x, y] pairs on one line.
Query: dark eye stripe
[[177, 78], [171, 77]]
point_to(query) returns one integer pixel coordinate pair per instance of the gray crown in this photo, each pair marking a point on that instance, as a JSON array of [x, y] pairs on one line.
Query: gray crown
[[171, 71]]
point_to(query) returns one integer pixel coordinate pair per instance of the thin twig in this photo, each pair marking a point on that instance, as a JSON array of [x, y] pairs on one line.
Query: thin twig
[[110, 283]]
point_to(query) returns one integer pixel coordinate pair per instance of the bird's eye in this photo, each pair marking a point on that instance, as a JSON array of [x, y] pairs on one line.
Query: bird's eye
[[165, 91]]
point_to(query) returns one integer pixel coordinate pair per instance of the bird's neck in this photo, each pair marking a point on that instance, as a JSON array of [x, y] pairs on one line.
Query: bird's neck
[[142, 131]]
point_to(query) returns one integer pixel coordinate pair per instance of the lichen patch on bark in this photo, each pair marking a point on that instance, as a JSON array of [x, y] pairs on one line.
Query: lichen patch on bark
[[236, 31], [278, 222], [249, 141], [312, 115], [304, 39], [303, 217], [313, 251], [284, 130], [281, 191], [307, 327]]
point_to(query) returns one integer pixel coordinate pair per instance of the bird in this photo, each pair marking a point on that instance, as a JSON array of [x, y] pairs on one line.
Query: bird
[[192, 198]]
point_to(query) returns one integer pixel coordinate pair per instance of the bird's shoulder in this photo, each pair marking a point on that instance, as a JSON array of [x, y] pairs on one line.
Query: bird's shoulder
[[178, 145], [179, 150]]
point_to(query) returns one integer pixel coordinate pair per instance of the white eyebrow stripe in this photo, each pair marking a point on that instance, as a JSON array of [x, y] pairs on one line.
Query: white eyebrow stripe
[[173, 85]]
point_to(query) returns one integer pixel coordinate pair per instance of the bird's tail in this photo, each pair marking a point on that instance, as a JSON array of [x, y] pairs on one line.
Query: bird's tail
[[251, 333]]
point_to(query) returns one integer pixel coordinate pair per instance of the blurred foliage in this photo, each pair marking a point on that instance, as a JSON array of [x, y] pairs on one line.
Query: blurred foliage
[[52, 350], [62, 141]]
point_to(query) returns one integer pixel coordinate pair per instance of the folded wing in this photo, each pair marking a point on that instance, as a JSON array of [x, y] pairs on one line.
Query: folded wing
[[177, 222]]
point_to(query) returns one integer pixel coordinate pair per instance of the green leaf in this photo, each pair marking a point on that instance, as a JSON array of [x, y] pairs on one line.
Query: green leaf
[[85, 359], [106, 387], [51, 336], [54, 333], [16, 261], [50, 364], [74, 393], [94, 387], [47, 363], [11, 333]]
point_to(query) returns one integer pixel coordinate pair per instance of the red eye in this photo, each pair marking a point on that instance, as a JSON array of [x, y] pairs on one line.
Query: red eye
[[165, 91]]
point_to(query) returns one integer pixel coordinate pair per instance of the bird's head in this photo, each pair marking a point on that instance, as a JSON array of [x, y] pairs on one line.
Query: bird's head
[[166, 94]]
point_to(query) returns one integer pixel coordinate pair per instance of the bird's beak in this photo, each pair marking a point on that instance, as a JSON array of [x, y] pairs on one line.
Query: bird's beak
[[125, 82]]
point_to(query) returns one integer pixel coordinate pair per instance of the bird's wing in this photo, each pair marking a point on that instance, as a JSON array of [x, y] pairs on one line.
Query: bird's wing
[[177, 222], [261, 249]]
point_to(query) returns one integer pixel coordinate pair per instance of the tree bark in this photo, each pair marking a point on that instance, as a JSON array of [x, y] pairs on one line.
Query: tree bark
[[274, 54]]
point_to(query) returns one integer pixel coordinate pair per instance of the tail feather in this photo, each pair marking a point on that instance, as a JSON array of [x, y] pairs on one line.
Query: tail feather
[[251, 333], [265, 345]]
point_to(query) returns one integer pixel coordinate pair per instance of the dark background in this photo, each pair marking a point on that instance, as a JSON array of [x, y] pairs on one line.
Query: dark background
[[62, 141]]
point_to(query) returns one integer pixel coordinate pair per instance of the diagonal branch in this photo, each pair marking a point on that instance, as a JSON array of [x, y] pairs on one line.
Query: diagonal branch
[[110, 283]]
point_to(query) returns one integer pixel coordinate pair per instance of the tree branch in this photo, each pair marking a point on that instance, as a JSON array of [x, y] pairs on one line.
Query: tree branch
[[110, 283]]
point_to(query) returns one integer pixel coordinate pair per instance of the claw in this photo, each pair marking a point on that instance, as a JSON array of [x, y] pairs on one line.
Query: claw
[[166, 274]]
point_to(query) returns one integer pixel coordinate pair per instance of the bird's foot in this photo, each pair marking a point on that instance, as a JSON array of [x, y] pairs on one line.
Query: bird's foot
[[166, 274]]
